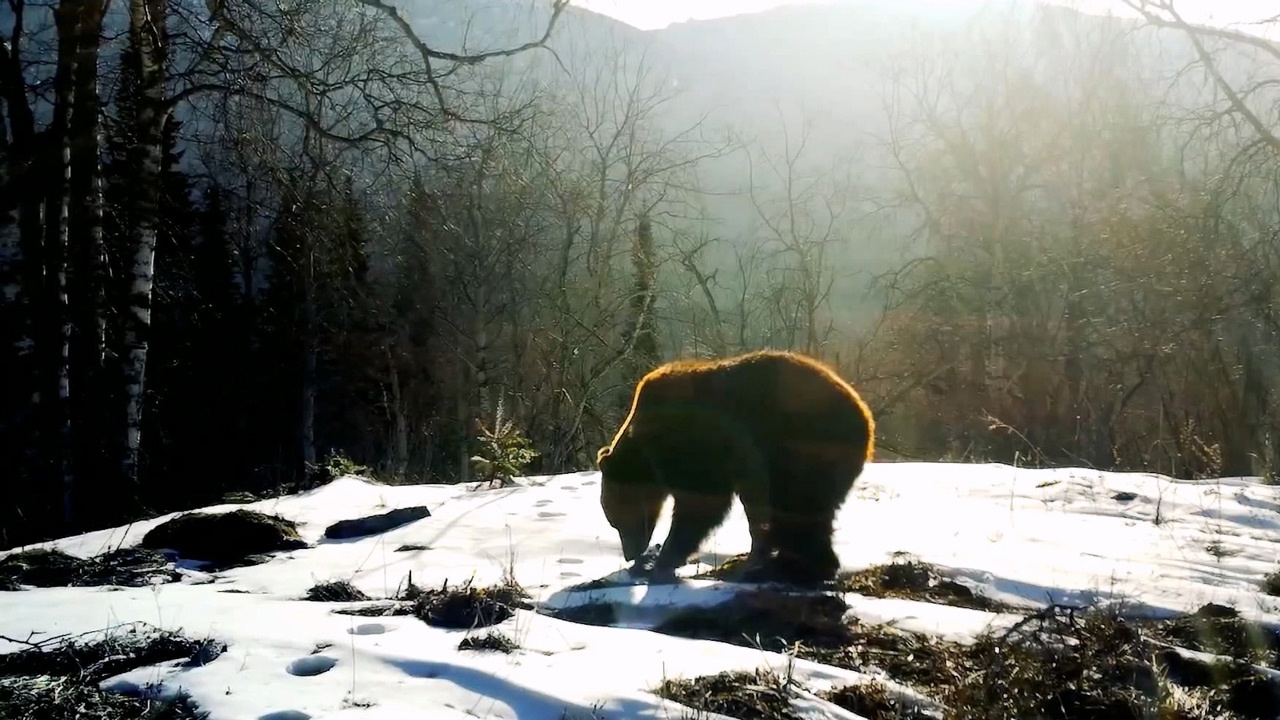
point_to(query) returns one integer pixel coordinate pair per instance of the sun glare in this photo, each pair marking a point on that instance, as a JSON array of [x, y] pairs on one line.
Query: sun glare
[[655, 14]]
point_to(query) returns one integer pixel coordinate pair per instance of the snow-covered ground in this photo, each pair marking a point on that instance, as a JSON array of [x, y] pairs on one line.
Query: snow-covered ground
[[1026, 537]]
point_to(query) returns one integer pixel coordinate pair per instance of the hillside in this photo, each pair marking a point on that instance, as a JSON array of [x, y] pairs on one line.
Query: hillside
[[948, 566]]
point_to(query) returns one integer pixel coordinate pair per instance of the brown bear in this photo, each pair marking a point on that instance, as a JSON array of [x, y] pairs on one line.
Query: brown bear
[[779, 429]]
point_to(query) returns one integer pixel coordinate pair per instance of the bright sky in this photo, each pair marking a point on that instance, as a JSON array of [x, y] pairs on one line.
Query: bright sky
[[653, 14]]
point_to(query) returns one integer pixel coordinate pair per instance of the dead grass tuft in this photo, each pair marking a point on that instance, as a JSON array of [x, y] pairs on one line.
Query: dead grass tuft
[[873, 700], [382, 609], [58, 679], [492, 641], [1220, 630], [335, 591], [42, 567], [758, 695], [466, 606]]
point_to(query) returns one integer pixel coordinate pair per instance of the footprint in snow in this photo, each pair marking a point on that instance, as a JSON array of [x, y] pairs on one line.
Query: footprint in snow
[[569, 561], [588, 483], [542, 503], [311, 665], [285, 715], [548, 514], [568, 575], [368, 629]]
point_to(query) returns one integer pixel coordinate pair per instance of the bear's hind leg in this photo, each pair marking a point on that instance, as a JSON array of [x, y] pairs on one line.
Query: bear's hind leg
[[806, 554], [693, 516]]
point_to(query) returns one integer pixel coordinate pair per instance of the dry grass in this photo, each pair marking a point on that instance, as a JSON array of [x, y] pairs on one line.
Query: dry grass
[[873, 700], [58, 679], [755, 695], [466, 606], [1059, 664], [335, 591], [128, 567], [492, 641]]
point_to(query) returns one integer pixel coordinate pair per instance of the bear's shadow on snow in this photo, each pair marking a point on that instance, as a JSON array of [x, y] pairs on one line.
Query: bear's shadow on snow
[[525, 702], [1040, 594], [619, 600]]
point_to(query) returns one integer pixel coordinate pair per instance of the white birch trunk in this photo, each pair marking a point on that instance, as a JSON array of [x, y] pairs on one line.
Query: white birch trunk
[[146, 24]]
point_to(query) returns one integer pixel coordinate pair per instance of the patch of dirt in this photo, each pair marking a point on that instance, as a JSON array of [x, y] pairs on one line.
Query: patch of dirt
[[466, 607], [59, 679], [914, 580], [335, 591], [128, 567], [224, 539], [491, 641], [743, 695]]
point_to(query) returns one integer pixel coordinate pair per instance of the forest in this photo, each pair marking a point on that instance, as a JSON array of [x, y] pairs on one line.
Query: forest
[[246, 244]]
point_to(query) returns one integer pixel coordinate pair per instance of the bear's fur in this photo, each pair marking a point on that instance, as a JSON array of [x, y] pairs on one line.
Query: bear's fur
[[779, 429]]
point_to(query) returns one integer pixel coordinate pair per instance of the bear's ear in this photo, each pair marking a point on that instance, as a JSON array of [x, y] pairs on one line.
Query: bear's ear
[[603, 454]]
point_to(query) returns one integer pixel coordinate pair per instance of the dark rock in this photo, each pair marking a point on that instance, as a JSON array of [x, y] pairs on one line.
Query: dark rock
[[374, 524]]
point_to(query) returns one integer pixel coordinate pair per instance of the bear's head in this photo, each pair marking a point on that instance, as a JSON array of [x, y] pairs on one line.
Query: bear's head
[[630, 495]]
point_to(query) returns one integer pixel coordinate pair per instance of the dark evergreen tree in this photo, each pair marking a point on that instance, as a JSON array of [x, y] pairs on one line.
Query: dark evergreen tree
[[641, 328]]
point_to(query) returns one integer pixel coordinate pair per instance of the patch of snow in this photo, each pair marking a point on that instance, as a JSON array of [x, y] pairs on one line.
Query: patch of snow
[[1025, 537]]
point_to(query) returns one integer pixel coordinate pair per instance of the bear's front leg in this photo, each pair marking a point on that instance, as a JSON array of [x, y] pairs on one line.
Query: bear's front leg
[[693, 517]]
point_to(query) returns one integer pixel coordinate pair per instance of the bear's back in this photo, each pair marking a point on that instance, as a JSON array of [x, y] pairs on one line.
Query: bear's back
[[772, 394]]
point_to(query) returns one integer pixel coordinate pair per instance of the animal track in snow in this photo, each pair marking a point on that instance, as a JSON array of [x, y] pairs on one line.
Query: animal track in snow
[[542, 503], [550, 514], [312, 665], [369, 629], [569, 561]]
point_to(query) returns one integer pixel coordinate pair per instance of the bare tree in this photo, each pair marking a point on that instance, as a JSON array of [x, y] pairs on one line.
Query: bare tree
[[268, 45], [805, 224]]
